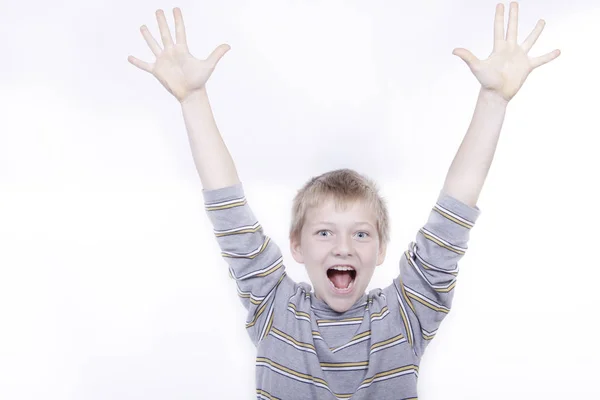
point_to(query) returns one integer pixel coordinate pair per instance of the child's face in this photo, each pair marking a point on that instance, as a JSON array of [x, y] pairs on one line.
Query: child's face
[[333, 237]]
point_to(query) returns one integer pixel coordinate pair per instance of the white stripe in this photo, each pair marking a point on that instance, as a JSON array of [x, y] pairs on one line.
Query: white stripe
[[283, 339], [381, 316], [395, 342], [345, 368], [260, 271], [237, 228], [253, 252], [412, 333], [385, 378], [444, 241], [339, 323], [282, 372], [264, 328], [431, 266], [298, 316], [429, 333], [416, 267], [226, 202], [445, 210], [253, 297], [351, 343], [360, 305], [426, 299]]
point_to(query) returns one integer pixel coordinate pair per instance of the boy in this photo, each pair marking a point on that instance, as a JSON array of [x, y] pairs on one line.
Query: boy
[[339, 342]]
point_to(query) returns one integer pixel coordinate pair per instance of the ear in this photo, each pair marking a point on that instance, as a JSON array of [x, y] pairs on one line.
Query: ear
[[296, 250], [381, 255]]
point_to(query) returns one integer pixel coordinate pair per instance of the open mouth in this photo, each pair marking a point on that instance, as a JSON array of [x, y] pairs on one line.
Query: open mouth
[[341, 277]]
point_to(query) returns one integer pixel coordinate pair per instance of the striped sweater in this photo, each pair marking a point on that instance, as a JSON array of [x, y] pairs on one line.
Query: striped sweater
[[305, 350]]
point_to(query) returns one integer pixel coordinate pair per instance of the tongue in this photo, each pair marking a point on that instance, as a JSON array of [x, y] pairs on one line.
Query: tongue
[[340, 279]]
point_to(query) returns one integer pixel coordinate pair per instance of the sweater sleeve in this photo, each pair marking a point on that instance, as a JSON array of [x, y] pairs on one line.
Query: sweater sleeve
[[429, 267], [255, 261]]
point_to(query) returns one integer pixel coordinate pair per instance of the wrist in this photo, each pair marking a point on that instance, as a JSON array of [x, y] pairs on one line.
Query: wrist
[[493, 98], [195, 96]]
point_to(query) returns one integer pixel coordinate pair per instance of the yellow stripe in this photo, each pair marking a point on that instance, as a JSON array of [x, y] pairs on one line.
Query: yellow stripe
[[259, 312], [393, 371], [291, 371], [379, 314], [266, 394], [262, 248], [269, 324], [405, 320], [410, 304], [436, 241], [350, 364], [319, 321], [247, 296], [226, 206], [255, 302], [379, 344], [427, 337], [270, 271], [301, 375], [415, 265], [291, 339], [453, 219], [298, 313], [359, 336], [258, 302], [238, 232], [448, 289], [428, 305]]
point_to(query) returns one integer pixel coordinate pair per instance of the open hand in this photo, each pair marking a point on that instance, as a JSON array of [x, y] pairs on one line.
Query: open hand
[[178, 71], [506, 69]]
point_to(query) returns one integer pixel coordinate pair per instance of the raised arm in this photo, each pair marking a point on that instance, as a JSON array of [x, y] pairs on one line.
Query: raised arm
[[185, 77], [428, 268], [501, 76], [254, 260]]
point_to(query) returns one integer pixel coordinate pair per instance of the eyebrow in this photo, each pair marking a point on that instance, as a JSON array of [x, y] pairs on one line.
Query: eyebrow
[[331, 223]]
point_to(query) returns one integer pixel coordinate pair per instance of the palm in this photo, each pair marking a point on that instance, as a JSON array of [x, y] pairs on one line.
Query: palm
[[178, 71], [506, 69]]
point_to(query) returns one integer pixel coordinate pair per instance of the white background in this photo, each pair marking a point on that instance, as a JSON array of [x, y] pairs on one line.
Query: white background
[[111, 283]]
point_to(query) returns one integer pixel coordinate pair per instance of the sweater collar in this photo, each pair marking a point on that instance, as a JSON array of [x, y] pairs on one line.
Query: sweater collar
[[320, 305]]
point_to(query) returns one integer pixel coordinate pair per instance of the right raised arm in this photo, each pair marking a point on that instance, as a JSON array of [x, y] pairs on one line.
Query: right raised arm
[[213, 161], [185, 77], [255, 262]]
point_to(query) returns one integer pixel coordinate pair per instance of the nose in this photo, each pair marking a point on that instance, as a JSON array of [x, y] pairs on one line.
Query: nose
[[343, 246]]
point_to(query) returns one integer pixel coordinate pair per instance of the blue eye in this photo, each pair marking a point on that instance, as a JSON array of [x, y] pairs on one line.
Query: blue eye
[[366, 234], [319, 232]]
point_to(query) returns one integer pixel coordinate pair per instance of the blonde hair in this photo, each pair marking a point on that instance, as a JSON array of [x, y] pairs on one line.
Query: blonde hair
[[343, 186]]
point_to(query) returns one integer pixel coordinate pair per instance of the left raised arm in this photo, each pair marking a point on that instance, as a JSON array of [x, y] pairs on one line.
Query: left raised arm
[[501, 76]]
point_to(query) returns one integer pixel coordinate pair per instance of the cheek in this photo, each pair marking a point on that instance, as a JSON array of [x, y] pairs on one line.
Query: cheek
[[317, 250]]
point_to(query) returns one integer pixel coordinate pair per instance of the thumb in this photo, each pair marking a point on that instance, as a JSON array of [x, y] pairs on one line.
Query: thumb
[[217, 53], [466, 56]]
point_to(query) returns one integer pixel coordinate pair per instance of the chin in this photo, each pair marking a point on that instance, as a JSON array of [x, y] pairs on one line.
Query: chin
[[339, 307], [340, 304]]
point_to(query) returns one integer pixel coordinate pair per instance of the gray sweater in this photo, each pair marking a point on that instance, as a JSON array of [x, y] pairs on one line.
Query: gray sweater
[[306, 350]]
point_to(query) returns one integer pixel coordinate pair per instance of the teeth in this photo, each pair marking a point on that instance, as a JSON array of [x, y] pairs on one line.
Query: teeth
[[342, 268]]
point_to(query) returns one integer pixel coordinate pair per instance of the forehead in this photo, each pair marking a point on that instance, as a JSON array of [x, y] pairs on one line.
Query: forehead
[[351, 211]]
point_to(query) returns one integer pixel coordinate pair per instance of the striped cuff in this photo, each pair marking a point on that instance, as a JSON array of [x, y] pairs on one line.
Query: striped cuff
[[224, 193], [458, 207]]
